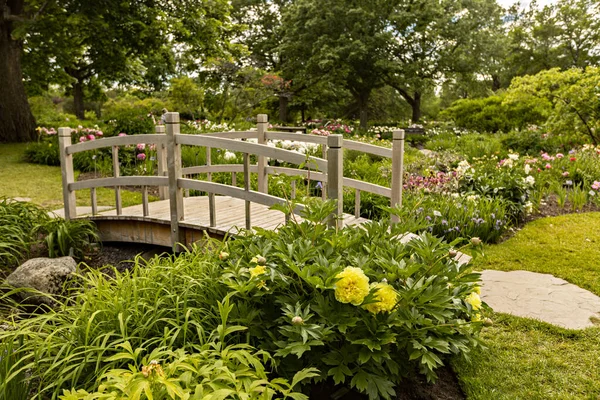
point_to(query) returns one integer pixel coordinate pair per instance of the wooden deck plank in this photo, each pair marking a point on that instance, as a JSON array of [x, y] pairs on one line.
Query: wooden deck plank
[[230, 214]]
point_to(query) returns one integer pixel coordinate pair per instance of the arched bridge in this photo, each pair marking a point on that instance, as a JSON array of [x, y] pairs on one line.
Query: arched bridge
[[179, 219]]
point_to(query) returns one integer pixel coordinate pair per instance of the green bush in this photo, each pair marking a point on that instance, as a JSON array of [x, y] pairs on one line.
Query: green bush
[[492, 114], [293, 292], [131, 115]]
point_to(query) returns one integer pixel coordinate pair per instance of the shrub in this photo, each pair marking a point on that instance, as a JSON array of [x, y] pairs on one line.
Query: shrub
[[492, 114], [287, 288], [131, 115]]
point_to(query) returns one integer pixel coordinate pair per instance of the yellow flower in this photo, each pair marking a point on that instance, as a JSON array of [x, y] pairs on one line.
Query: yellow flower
[[476, 317], [477, 290], [474, 300], [386, 298], [258, 270], [352, 287]]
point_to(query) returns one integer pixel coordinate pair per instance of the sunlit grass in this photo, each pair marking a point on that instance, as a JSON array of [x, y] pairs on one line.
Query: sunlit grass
[[42, 183], [527, 359]]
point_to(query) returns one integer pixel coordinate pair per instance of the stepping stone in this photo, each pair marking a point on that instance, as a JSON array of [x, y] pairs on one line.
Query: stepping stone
[[84, 210], [24, 199], [540, 296]]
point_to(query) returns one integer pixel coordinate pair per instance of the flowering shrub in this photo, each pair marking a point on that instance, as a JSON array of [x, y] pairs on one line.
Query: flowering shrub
[[351, 303]]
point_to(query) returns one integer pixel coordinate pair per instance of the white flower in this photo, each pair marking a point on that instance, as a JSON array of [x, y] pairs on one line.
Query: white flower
[[527, 169], [472, 197], [229, 156], [529, 180], [437, 213], [513, 156], [528, 207]]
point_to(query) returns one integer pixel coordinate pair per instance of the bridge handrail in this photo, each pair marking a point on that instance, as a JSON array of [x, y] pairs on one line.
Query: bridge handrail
[[247, 147], [172, 176]]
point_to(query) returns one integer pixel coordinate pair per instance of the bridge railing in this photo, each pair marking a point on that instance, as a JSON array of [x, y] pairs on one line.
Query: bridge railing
[[173, 179]]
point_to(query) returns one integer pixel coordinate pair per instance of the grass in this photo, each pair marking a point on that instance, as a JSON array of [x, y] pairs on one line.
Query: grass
[[42, 183], [567, 247], [527, 359]]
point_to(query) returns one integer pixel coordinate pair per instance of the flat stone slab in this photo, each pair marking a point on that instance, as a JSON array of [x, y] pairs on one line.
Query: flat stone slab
[[83, 210], [540, 296]]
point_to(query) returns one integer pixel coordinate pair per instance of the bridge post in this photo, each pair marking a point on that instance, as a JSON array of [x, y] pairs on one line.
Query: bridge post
[[161, 159], [66, 169], [335, 176], [397, 170], [263, 178], [174, 173]]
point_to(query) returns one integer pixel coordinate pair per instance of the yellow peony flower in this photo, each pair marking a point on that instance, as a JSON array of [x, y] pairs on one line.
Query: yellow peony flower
[[386, 298], [477, 289], [258, 270], [474, 300], [476, 317], [352, 287]]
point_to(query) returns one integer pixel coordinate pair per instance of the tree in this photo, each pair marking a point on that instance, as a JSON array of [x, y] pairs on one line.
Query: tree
[[16, 121], [340, 41], [101, 42], [186, 96], [434, 40], [573, 95]]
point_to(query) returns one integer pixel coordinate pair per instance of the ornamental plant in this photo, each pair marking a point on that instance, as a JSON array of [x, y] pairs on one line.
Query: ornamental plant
[[359, 305]]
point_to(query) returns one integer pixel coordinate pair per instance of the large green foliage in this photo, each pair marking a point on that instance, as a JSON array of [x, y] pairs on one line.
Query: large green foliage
[[572, 94], [492, 114]]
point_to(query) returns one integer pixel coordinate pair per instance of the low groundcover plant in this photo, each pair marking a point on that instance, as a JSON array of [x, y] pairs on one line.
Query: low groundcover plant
[[353, 307]]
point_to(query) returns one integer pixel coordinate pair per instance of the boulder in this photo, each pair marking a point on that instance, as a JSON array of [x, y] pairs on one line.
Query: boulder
[[46, 275]]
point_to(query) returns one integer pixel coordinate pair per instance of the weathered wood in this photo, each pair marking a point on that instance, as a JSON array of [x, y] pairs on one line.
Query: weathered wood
[[66, 171], [116, 174], [93, 201], [247, 189], [146, 212], [319, 176], [246, 147], [397, 171], [120, 181], [293, 192], [357, 203], [234, 178], [263, 178], [296, 137], [116, 141], [368, 148], [294, 129], [368, 187], [233, 135], [211, 196], [324, 155], [161, 159], [335, 177], [174, 168]]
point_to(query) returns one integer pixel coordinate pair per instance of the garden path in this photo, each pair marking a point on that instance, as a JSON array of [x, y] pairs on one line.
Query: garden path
[[540, 296]]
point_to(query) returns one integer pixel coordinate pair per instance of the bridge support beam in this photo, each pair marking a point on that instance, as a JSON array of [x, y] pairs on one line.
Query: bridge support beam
[[335, 177], [397, 171], [174, 172], [66, 169]]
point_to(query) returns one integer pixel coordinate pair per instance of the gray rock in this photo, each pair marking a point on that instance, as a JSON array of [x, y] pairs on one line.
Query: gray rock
[[46, 275]]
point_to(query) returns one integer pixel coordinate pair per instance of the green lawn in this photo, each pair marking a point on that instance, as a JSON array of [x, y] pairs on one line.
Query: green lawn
[[43, 184], [526, 359]]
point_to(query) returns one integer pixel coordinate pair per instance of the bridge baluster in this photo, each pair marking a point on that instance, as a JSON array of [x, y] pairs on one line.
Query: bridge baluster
[[263, 178], [335, 176], [94, 201], [247, 189], [66, 166], [161, 158], [397, 170], [116, 174]]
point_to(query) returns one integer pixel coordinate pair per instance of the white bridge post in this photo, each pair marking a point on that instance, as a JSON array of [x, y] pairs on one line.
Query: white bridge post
[[263, 178], [66, 169], [161, 159], [174, 172], [335, 177], [397, 170]]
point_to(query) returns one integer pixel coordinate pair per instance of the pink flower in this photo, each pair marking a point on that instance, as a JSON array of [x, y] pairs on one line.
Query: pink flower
[[559, 155], [572, 159], [152, 147], [99, 133], [596, 185], [548, 166], [140, 146], [141, 156], [91, 137], [566, 173], [82, 139], [122, 134]]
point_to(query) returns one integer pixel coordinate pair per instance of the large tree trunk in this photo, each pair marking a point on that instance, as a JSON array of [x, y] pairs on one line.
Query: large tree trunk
[[283, 108], [363, 107], [78, 99], [16, 121], [416, 107]]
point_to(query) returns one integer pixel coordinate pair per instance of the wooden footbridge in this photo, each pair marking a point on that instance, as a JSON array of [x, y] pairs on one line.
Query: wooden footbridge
[[177, 219]]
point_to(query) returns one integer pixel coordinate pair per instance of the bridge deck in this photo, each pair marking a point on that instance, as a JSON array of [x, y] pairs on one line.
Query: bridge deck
[[132, 226]]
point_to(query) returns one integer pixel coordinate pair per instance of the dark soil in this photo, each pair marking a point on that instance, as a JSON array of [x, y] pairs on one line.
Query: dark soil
[[122, 255], [446, 388], [84, 176]]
